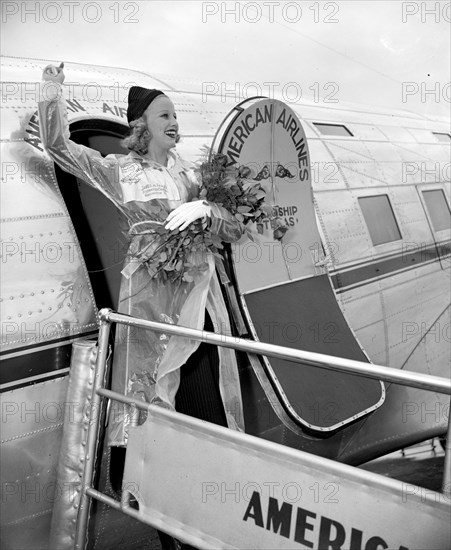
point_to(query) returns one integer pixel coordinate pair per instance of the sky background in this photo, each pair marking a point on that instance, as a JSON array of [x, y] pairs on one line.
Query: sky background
[[345, 50]]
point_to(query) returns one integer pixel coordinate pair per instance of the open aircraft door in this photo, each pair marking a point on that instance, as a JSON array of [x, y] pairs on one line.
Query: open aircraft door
[[285, 298]]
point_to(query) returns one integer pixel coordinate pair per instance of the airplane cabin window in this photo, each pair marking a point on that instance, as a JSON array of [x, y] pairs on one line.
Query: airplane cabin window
[[438, 209], [380, 219], [333, 129], [442, 136]]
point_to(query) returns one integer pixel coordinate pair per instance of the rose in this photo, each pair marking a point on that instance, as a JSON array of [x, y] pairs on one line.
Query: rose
[[279, 232], [244, 172]]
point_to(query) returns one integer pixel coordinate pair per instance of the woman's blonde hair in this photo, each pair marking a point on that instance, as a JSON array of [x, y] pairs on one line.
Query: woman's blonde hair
[[140, 137]]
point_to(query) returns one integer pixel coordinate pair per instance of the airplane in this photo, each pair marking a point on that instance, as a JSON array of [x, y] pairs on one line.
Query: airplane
[[362, 273]]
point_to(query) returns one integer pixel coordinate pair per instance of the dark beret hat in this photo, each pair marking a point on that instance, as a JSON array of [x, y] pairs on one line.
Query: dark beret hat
[[138, 101]]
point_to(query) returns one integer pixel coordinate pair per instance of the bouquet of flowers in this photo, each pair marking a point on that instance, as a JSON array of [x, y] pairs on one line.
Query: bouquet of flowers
[[243, 197]]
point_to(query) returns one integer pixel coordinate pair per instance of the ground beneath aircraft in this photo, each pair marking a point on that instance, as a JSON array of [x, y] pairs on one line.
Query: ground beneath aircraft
[[421, 464]]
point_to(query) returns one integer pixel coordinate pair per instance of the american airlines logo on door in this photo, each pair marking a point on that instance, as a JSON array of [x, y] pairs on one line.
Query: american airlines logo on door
[[266, 138], [272, 118]]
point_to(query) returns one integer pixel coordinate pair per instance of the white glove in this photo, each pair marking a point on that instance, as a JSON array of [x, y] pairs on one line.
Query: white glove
[[53, 74], [187, 213]]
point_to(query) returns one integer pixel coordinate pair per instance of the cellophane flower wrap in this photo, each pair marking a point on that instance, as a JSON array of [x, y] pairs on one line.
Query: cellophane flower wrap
[[235, 191]]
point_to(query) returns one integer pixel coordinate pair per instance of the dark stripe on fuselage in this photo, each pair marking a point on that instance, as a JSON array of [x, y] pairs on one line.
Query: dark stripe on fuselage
[[35, 361], [382, 268], [34, 380], [27, 365], [31, 348], [382, 257]]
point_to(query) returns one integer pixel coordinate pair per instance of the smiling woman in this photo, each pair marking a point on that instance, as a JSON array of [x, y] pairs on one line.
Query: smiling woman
[[154, 188], [154, 130]]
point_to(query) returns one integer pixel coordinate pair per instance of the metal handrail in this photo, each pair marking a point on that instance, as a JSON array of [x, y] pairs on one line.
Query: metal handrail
[[107, 316], [350, 366]]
